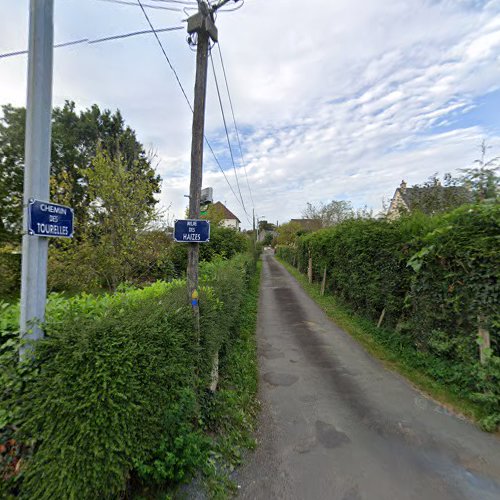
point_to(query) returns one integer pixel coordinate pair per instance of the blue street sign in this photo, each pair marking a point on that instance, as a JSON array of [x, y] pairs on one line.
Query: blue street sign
[[49, 219], [192, 231]]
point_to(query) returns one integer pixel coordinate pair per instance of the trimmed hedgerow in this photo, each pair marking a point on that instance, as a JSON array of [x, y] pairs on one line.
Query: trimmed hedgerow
[[366, 261], [455, 288], [436, 277], [112, 394]]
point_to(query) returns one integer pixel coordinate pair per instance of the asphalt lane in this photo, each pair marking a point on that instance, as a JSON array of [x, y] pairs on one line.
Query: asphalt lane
[[335, 424]]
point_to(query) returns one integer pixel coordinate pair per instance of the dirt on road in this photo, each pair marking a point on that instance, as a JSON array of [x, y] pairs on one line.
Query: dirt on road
[[335, 424]]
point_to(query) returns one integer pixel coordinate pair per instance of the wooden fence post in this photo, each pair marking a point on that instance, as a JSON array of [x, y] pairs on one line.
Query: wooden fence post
[[310, 268], [381, 318], [484, 336], [323, 283], [214, 376]]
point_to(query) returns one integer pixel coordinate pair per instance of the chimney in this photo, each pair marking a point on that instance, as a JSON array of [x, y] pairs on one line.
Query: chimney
[[402, 187]]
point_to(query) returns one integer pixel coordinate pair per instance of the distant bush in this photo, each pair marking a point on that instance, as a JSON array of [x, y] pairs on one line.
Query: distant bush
[[436, 278], [224, 242], [288, 253], [10, 274], [113, 390]]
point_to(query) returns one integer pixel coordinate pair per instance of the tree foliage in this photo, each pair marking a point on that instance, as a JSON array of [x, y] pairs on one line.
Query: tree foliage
[[110, 232], [329, 214], [483, 179], [215, 214], [11, 171], [288, 233], [76, 138], [266, 226], [268, 239], [334, 212]]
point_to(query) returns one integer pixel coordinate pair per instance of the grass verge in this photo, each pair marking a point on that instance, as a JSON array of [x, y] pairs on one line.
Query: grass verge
[[387, 346]]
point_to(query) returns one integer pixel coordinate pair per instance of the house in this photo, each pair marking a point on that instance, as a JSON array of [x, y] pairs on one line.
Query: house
[[428, 198], [400, 202], [227, 218]]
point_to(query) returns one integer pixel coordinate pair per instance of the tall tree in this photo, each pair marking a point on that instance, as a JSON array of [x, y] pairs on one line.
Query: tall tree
[[331, 213], [76, 137]]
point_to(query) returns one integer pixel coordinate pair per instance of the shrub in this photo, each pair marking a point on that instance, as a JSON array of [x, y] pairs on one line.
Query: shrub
[[224, 242], [112, 391]]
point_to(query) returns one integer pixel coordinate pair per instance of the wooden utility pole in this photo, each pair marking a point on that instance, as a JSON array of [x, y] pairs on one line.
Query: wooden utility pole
[[203, 26]]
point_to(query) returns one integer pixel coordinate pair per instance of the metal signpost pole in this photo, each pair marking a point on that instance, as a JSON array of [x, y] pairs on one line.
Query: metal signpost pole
[[37, 165]]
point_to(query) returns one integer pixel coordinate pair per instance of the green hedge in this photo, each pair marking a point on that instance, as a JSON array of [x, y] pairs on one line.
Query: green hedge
[[434, 276], [366, 261], [112, 394]]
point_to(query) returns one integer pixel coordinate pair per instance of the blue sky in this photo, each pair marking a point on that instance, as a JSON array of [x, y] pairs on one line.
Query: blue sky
[[336, 99], [484, 111]]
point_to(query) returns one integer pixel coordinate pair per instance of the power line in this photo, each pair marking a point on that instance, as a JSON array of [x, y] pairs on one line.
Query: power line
[[187, 99], [180, 2], [225, 177], [97, 40], [165, 54], [235, 125], [149, 6], [241, 2], [227, 133], [56, 46], [134, 33]]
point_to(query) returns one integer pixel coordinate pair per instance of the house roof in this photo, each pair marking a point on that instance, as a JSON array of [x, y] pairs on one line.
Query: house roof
[[416, 195], [225, 211]]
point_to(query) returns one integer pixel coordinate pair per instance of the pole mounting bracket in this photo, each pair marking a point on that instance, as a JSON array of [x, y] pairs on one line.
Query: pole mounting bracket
[[201, 22]]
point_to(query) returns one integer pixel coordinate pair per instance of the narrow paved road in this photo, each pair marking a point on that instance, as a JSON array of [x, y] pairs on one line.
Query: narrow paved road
[[336, 425]]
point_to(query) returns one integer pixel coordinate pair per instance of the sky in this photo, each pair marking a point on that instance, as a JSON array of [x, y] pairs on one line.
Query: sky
[[334, 99]]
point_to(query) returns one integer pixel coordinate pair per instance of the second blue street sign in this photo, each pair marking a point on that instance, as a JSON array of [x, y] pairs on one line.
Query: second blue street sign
[[192, 231]]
